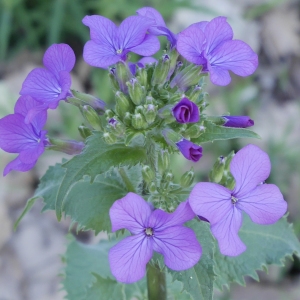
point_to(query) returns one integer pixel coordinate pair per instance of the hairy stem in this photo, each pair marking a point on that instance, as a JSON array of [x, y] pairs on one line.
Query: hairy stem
[[156, 283]]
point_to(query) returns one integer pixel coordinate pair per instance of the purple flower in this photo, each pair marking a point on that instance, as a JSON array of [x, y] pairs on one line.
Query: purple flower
[[51, 84], [186, 111], [151, 230], [159, 27], [238, 121], [211, 45], [189, 150], [223, 208], [110, 44], [28, 140]]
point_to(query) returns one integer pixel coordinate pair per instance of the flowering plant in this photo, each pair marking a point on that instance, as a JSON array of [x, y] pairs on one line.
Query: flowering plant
[[182, 240]]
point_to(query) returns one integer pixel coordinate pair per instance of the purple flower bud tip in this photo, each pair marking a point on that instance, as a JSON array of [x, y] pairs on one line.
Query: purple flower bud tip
[[166, 57], [150, 107], [113, 122], [223, 207], [152, 230], [133, 81], [189, 150], [179, 64], [238, 121], [186, 111]]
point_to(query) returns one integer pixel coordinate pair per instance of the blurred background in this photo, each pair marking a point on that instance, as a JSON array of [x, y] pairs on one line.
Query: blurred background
[[30, 258]]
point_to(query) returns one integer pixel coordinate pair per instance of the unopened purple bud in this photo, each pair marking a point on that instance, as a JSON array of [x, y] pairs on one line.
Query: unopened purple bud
[[113, 122], [189, 150], [186, 111], [165, 57], [66, 146], [179, 64], [238, 121]]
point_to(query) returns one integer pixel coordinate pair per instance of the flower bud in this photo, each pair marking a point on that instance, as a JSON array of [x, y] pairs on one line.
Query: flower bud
[[166, 112], [152, 188], [109, 138], [186, 111], [138, 121], [92, 117], [216, 173], [122, 104], [229, 159], [163, 161], [195, 92], [97, 104], [150, 113], [173, 61], [189, 150], [127, 118], [142, 77], [137, 92], [161, 71], [116, 126], [149, 99], [148, 174], [109, 114], [230, 183], [237, 121], [169, 176], [65, 146], [84, 131], [113, 79], [187, 77], [187, 178], [139, 109], [123, 75], [171, 137]]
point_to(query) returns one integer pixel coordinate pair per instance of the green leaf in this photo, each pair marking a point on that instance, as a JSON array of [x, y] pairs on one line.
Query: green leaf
[[81, 261], [198, 281], [46, 190], [215, 132], [266, 244], [88, 203], [105, 289], [97, 158]]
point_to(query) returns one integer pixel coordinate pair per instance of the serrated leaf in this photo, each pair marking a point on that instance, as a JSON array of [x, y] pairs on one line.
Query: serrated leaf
[[105, 288], [266, 244], [198, 281], [88, 203], [215, 132], [46, 190], [96, 158], [81, 261]]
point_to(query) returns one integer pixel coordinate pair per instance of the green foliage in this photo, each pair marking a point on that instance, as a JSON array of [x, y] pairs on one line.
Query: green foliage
[[46, 190], [215, 132], [198, 281], [88, 203], [96, 158], [268, 244]]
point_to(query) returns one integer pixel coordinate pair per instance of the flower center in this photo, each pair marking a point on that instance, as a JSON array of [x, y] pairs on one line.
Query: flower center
[[119, 51], [149, 231], [234, 200]]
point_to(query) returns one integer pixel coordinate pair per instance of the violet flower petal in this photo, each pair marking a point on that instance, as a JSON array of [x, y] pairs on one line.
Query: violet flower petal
[[186, 111], [59, 57], [216, 32], [147, 47], [17, 165], [189, 44], [132, 31], [235, 56], [154, 15], [15, 135], [210, 201], [147, 61], [265, 204], [25, 107], [226, 233], [101, 56], [161, 220], [189, 150], [219, 75], [179, 246], [42, 85], [129, 257], [31, 155], [130, 212], [250, 166], [102, 31], [201, 25]]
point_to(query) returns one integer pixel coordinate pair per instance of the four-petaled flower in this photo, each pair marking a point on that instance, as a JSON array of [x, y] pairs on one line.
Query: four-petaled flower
[[211, 45], [152, 230], [110, 44], [29, 140], [51, 84], [186, 111], [223, 208]]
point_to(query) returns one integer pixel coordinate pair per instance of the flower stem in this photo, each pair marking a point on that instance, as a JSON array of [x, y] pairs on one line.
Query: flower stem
[[156, 283]]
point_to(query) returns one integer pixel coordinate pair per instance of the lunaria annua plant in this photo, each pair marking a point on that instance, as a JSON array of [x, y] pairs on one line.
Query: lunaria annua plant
[[181, 239]]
